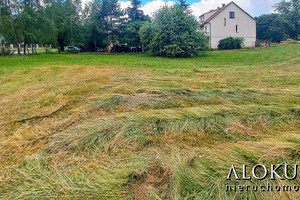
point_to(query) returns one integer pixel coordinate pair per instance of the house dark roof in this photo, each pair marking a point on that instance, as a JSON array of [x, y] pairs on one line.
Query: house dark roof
[[223, 8]]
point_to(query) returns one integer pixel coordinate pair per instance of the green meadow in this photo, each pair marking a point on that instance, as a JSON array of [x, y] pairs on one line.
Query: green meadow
[[135, 126]]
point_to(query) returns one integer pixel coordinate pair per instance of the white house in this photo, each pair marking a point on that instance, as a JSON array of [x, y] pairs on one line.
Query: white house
[[229, 20]]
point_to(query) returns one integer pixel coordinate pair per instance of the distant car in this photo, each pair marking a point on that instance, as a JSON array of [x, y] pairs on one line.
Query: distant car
[[72, 49]]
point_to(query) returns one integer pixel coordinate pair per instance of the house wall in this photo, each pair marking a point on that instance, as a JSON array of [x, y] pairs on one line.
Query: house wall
[[246, 27]]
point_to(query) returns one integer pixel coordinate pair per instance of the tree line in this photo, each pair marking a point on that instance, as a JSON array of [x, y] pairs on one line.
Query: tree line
[[281, 25], [66, 22], [172, 32]]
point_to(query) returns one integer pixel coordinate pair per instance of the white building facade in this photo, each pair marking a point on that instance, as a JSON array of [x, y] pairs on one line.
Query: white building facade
[[228, 21]]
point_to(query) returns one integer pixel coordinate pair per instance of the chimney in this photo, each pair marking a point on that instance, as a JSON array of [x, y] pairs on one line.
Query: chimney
[[223, 5]]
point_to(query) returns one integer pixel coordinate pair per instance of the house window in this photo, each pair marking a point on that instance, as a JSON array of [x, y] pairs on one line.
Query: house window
[[231, 15], [224, 21], [205, 28], [237, 28]]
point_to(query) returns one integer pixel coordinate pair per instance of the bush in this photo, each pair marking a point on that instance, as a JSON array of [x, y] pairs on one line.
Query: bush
[[230, 43], [173, 33]]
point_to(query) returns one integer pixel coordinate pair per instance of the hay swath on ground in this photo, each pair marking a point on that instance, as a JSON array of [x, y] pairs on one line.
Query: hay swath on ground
[[133, 126]]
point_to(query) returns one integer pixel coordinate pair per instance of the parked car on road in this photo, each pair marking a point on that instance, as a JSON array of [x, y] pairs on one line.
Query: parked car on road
[[72, 49]]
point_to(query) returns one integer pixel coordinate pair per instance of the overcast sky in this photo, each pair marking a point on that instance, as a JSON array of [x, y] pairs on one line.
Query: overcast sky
[[253, 7]]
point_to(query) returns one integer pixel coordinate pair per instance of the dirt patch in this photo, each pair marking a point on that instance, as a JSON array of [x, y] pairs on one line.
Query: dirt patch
[[156, 180]]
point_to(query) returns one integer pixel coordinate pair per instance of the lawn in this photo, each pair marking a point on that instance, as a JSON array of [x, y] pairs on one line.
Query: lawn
[[135, 126]]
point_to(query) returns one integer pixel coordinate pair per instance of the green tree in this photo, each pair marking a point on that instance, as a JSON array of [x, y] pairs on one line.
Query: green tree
[[146, 34], [46, 30], [65, 16], [183, 4], [271, 27], [96, 24], [290, 10], [28, 22], [104, 26], [10, 25], [131, 33], [134, 12], [174, 34], [45, 22], [7, 32], [111, 12], [129, 30]]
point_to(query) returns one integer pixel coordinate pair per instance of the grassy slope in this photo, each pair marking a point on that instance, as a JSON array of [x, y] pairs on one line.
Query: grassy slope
[[137, 126]]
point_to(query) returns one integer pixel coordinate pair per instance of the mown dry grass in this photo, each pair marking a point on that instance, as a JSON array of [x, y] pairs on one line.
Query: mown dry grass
[[138, 127]]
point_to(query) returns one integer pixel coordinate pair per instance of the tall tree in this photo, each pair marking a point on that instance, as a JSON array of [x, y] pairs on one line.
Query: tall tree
[[96, 27], [134, 12], [130, 33], [112, 12], [104, 21], [183, 4], [65, 15], [271, 27], [131, 27], [290, 10], [8, 29]]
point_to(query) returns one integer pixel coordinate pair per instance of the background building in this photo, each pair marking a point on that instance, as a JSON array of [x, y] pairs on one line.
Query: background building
[[229, 20]]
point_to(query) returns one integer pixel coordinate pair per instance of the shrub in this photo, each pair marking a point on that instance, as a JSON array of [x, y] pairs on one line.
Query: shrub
[[173, 33], [230, 43]]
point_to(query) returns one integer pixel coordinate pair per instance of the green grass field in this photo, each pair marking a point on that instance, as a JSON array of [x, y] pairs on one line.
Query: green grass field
[[135, 126]]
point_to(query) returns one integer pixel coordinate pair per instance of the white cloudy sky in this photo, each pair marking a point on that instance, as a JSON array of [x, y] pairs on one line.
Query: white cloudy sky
[[253, 7]]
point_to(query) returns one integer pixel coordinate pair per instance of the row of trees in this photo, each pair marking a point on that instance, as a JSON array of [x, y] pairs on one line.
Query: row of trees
[[65, 22], [172, 32], [283, 24]]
